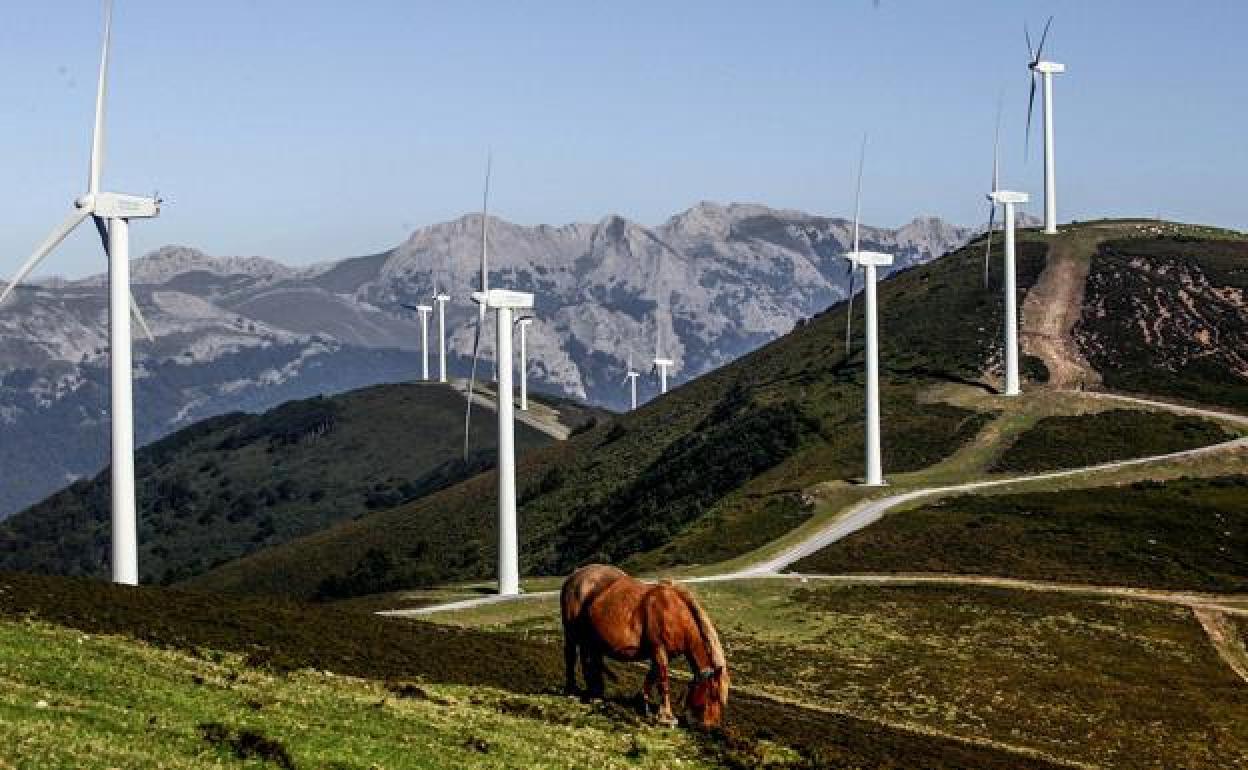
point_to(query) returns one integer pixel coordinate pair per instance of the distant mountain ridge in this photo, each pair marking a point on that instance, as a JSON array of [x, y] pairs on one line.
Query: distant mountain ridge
[[248, 332]]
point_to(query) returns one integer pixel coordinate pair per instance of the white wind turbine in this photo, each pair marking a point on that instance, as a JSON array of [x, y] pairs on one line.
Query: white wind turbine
[[1046, 70], [524, 322], [504, 302], [869, 261], [424, 311], [112, 213], [440, 299], [1007, 200], [661, 362], [630, 379]]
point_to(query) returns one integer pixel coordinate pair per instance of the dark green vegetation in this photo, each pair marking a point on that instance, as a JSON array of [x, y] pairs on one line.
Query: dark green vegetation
[[285, 638], [1169, 316], [1108, 682], [715, 468], [1189, 534], [1091, 439], [230, 485]]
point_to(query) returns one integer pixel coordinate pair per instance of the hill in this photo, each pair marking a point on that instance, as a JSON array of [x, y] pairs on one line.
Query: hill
[[114, 676], [230, 485], [735, 447], [250, 333]]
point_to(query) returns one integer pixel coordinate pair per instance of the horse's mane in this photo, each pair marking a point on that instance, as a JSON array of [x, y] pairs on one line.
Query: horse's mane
[[709, 634]]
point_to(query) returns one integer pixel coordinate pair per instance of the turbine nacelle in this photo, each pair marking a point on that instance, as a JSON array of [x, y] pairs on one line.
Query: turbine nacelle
[[118, 205], [1002, 197], [664, 362], [441, 298], [869, 258], [504, 298], [1047, 67]]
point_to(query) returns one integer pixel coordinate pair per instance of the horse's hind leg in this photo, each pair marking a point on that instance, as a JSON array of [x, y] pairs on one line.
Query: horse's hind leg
[[569, 662]]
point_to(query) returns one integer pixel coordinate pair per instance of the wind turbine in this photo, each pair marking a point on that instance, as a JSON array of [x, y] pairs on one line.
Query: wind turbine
[[504, 302], [524, 322], [1046, 70], [112, 213], [869, 261], [661, 363], [1007, 200], [630, 379], [439, 300], [424, 311]]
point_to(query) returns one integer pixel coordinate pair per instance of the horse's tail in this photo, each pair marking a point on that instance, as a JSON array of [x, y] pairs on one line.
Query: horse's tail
[[709, 634]]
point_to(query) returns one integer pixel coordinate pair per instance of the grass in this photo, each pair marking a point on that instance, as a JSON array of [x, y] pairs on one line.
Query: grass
[[287, 641], [74, 700], [1179, 534], [1108, 682], [1061, 442]]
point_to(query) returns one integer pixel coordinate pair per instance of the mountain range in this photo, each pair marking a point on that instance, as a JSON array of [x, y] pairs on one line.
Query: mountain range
[[247, 333]]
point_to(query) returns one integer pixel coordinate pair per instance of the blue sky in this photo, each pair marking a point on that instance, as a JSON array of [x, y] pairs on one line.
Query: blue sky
[[314, 129]]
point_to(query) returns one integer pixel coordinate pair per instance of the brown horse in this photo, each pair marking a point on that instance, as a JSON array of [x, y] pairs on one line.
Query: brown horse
[[608, 613]]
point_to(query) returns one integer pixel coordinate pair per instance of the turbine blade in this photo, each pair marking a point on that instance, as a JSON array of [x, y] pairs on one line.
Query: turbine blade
[[485, 216], [472, 384], [862, 157], [1043, 36], [51, 242], [849, 312], [101, 91], [102, 229], [1031, 51], [1031, 103], [992, 220], [996, 146]]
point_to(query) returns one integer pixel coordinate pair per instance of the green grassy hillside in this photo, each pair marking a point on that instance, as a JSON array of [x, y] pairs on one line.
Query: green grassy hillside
[[230, 485], [1091, 439], [187, 680], [736, 447], [1105, 682], [1188, 534], [1169, 316]]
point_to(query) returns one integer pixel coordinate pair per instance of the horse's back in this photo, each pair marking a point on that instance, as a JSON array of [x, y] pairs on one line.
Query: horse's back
[[582, 585]]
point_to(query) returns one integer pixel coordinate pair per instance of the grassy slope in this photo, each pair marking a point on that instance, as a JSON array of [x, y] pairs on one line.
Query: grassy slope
[[108, 702], [1117, 434], [1168, 316], [227, 486], [1182, 534], [1109, 682], [259, 649], [715, 468]]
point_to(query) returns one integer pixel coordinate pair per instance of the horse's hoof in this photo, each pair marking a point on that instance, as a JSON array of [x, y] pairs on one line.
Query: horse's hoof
[[666, 721]]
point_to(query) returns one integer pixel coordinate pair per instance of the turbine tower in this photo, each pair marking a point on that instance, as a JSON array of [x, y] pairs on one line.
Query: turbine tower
[[630, 379], [1008, 200], [524, 323], [1046, 70], [439, 300], [661, 362], [504, 303], [424, 311], [869, 261], [112, 213]]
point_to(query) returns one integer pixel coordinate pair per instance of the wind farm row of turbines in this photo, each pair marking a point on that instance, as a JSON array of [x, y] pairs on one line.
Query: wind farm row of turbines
[[113, 212]]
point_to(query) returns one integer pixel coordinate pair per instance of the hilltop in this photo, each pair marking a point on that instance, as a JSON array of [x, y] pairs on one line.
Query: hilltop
[[233, 484]]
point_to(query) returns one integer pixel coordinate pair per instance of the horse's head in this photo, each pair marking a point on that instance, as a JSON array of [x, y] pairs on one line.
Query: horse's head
[[708, 696]]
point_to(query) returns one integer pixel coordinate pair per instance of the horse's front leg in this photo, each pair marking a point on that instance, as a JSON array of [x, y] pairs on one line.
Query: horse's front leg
[[665, 690], [652, 678]]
